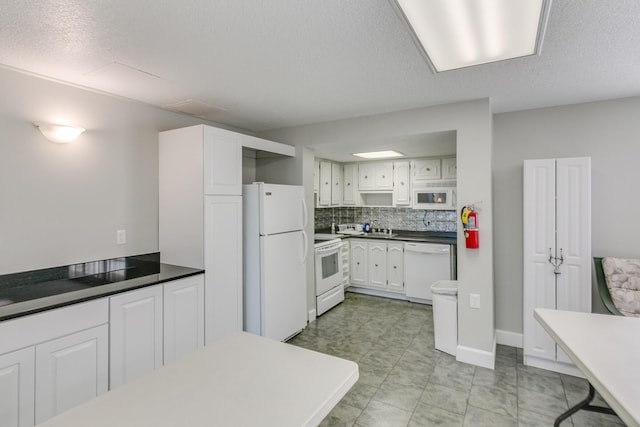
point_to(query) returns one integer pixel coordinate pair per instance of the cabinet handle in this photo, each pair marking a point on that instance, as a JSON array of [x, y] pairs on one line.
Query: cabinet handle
[[428, 169], [401, 182], [376, 265], [348, 184], [395, 266], [382, 176], [326, 183], [365, 177], [358, 263]]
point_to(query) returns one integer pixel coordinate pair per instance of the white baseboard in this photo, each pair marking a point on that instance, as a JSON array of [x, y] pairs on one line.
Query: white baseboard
[[551, 365], [312, 315], [474, 356], [376, 293], [512, 339]]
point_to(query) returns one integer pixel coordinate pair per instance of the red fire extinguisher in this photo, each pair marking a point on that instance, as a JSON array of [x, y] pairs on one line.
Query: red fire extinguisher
[[470, 225]]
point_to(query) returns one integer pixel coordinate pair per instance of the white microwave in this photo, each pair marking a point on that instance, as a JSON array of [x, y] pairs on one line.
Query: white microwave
[[435, 198]]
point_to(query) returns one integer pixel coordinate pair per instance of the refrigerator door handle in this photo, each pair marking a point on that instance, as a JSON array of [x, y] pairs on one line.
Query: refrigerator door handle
[[304, 214], [305, 242]]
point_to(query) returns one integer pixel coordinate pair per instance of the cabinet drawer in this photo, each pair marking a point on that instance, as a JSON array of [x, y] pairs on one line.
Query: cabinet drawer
[[34, 329]]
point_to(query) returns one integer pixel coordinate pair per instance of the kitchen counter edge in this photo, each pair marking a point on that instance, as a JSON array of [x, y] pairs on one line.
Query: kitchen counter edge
[[168, 272]]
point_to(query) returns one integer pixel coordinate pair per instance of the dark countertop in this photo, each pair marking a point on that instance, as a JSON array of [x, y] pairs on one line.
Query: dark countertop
[[442, 237], [39, 290]]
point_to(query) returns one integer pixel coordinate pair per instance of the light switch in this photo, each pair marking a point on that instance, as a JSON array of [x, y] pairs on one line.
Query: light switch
[[474, 300]]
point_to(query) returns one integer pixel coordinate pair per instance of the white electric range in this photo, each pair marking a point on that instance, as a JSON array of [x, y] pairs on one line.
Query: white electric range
[[328, 276]]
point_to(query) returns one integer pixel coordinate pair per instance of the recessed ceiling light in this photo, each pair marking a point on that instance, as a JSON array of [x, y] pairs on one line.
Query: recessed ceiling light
[[379, 154], [461, 33]]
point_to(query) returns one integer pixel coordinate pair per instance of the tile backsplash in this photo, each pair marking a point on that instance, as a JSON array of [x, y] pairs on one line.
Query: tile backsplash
[[387, 217]]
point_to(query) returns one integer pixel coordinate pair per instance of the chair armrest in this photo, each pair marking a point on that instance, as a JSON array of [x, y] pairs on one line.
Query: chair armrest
[[603, 290]]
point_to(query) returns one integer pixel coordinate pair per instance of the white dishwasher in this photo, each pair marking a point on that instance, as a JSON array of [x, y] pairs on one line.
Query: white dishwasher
[[425, 264]]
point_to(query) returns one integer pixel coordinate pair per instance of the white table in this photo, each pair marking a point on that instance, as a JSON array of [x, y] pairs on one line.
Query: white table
[[241, 380], [606, 349]]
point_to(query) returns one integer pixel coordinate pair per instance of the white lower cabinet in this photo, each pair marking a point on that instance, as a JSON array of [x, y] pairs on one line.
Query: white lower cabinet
[[17, 388], [358, 262], [377, 252], [377, 265], [70, 370], [58, 359], [395, 267], [183, 317], [135, 334], [52, 361]]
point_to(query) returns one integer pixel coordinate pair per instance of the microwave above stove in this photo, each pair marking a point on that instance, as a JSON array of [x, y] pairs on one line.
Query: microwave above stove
[[435, 198]]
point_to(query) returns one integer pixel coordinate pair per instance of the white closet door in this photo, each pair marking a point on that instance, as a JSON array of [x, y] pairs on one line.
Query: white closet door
[[538, 239], [573, 184]]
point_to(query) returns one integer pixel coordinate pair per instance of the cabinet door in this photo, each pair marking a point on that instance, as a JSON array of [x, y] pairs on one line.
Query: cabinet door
[[135, 334], [401, 193], [183, 317], [71, 370], [573, 216], [325, 183], [377, 265], [336, 184], [223, 266], [358, 263], [384, 176], [222, 162], [449, 168], [426, 169], [349, 184], [395, 267], [538, 240], [366, 176], [316, 175], [17, 388]]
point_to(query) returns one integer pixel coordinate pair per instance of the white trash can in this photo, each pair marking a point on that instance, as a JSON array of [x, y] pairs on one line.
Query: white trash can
[[445, 315]]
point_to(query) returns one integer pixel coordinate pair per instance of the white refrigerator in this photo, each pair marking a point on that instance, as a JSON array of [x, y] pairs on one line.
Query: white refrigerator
[[275, 252]]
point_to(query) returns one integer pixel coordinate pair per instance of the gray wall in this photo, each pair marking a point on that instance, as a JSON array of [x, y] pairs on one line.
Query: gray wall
[[606, 131], [62, 204]]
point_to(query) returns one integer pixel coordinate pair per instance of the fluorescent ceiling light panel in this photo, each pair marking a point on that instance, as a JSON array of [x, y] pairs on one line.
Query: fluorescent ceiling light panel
[[461, 33], [379, 154]]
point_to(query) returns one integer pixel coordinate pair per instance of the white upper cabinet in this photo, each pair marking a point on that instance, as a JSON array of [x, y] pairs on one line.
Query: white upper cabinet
[[366, 180], [449, 168], [350, 183], [426, 169], [222, 162], [325, 183], [401, 188], [336, 184], [375, 176], [316, 175]]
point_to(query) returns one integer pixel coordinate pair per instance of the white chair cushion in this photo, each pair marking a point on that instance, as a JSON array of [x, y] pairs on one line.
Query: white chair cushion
[[623, 281]]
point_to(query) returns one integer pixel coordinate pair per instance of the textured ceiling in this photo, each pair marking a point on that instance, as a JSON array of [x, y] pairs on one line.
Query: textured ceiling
[[261, 65]]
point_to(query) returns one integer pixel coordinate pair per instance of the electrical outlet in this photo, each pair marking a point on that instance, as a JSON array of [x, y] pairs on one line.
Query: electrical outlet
[[474, 300], [121, 237]]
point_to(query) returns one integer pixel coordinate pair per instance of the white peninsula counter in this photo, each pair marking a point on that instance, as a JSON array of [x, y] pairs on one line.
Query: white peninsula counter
[[241, 380]]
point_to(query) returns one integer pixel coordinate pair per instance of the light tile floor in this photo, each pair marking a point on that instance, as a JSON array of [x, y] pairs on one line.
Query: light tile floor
[[404, 381]]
